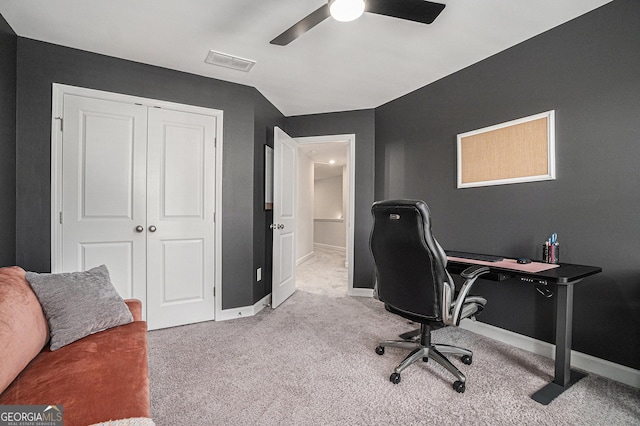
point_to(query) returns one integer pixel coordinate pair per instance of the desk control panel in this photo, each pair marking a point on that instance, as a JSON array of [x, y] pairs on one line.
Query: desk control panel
[[533, 280], [542, 286]]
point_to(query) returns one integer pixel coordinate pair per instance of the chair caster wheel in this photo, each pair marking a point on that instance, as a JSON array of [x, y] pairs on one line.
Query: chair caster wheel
[[466, 359], [395, 378], [380, 350], [459, 386]]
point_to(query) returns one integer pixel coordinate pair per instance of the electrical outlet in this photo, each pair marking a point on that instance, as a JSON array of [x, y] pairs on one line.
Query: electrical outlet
[[259, 274]]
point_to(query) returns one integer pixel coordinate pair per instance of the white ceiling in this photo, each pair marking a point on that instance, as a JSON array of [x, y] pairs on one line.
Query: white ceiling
[[333, 67], [322, 153]]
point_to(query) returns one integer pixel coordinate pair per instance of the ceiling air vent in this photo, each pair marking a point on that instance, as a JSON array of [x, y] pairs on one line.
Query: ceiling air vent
[[229, 61]]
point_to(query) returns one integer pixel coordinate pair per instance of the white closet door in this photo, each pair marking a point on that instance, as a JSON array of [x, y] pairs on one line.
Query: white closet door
[[103, 196], [180, 222]]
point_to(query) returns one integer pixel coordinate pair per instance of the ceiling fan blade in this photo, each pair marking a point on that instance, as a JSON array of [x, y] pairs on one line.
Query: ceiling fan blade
[[412, 10], [310, 21]]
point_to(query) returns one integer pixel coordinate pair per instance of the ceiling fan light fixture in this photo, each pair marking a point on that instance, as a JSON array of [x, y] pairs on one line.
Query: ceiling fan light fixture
[[346, 10]]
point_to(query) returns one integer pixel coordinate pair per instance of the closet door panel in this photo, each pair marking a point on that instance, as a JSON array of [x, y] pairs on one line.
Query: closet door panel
[[182, 167], [118, 256], [104, 190], [181, 285], [180, 206]]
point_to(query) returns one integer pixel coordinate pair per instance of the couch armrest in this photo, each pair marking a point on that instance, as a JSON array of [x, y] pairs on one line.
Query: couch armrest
[[135, 306]]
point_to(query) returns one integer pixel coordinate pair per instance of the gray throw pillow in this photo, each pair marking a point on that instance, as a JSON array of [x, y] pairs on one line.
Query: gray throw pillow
[[77, 304]]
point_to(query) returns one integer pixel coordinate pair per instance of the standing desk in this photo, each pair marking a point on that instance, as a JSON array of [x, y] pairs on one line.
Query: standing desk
[[565, 277]]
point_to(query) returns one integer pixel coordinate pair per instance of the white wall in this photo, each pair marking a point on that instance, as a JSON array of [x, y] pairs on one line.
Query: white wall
[[330, 232], [329, 224], [328, 198], [304, 208]]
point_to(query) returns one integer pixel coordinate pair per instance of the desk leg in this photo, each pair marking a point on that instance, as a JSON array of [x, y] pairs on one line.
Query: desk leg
[[564, 323], [564, 378]]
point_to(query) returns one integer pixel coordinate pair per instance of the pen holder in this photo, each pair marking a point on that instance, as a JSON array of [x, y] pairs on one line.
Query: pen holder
[[551, 253]]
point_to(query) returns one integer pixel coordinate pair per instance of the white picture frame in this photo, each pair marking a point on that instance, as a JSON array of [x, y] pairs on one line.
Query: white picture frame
[[516, 151]]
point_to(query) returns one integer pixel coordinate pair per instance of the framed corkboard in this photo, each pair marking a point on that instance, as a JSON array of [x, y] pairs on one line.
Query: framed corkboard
[[517, 151]]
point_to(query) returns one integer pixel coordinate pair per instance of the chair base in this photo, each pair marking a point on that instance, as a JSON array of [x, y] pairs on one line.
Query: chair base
[[423, 349]]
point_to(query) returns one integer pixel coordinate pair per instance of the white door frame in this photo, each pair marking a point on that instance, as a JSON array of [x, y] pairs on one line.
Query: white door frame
[[351, 139], [58, 92]]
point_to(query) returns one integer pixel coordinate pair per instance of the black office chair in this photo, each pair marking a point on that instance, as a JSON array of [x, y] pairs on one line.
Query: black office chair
[[412, 281]]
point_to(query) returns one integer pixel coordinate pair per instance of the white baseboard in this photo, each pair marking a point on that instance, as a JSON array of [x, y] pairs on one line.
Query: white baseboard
[[361, 292], [245, 311], [344, 249], [304, 258], [591, 364]]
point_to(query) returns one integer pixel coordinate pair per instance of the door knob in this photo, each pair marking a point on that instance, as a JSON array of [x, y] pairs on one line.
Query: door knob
[[273, 226], [139, 228], [281, 226], [152, 228]]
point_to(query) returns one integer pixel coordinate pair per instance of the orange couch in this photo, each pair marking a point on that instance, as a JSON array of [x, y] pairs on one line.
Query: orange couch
[[101, 377]]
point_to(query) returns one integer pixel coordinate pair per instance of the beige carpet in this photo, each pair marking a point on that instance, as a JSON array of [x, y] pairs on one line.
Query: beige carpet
[[312, 362], [324, 273]]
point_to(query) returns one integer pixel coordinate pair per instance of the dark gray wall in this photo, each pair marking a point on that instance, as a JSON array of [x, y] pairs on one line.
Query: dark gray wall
[[587, 70], [362, 124], [8, 49], [41, 64], [266, 118]]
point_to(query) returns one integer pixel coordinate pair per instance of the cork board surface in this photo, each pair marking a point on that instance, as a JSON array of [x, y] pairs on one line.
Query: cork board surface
[[509, 154]]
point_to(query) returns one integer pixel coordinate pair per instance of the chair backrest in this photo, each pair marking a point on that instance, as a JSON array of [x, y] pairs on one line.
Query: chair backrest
[[410, 264]]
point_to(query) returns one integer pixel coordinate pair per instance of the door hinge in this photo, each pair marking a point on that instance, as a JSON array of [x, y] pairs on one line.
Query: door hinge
[[214, 216], [60, 217], [214, 292], [61, 123]]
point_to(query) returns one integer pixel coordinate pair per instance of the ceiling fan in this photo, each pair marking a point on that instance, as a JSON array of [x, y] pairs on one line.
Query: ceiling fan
[[347, 10]]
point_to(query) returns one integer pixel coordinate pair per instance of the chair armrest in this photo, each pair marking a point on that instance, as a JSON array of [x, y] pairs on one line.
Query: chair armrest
[[135, 306], [473, 272], [470, 275]]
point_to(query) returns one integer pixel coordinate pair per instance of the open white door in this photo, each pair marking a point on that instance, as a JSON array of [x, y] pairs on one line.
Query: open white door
[[284, 217]]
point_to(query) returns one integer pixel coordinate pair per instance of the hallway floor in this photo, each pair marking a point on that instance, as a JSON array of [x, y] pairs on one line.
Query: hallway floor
[[323, 273]]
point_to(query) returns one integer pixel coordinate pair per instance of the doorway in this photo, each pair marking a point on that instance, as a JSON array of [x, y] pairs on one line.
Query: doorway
[[325, 202]]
